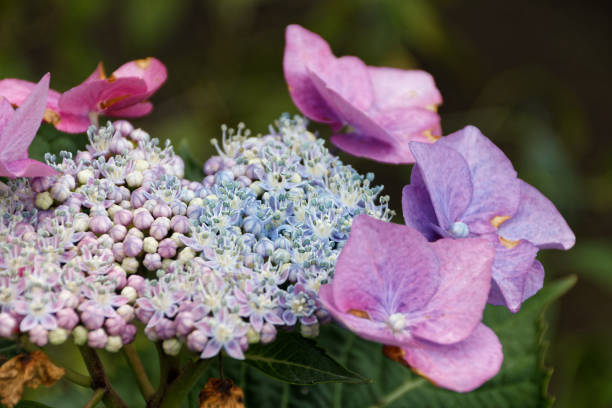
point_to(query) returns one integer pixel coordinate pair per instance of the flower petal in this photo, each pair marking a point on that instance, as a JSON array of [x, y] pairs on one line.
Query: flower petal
[[538, 221], [447, 178], [17, 90], [384, 267], [417, 208], [462, 366], [20, 129], [26, 168], [495, 185], [305, 49], [151, 70], [134, 111], [465, 278], [399, 88]]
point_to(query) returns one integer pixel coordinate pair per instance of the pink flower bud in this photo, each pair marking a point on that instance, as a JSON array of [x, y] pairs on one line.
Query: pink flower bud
[[152, 261], [97, 338], [244, 343], [268, 333], [197, 340], [128, 333], [118, 276], [92, 318], [120, 144], [142, 219], [83, 156], [184, 323], [123, 217], [8, 324], [40, 184], [118, 251], [137, 282], [67, 319], [161, 209], [151, 333], [123, 127], [39, 336], [117, 232], [213, 165], [165, 329], [159, 228], [100, 224], [114, 326], [132, 246], [208, 181], [180, 223], [138, 197], [167, 248], [143, 315], [244, 181], [88, 239]]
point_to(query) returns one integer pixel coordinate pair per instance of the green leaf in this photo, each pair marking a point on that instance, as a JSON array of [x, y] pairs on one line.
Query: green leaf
[[521, 382], [8, 349], [31, 404], [297, 360]]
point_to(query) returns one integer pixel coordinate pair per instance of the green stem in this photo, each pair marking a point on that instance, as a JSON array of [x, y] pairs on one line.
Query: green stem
[[146, 388], [177, 390], [399, 392], [99, 379], [95, 398], [168, 370]]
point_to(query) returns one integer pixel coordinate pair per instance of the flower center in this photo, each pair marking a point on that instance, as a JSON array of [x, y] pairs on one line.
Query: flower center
[[459, 230]]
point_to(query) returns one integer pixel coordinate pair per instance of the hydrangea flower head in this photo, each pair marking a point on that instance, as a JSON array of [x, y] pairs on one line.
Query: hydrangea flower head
[[464, 186], [18, 129], [384, 108], [122, 94], [393, 287]]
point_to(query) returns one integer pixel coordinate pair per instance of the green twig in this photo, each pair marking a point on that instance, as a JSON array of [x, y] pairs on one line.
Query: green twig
[[95, 398], [99, 379], [399, 392], [146, 388], [177, 390]]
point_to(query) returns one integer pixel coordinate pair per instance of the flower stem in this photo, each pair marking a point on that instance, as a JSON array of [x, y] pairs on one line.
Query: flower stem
[[99, 379], [95, 398], [177, 391], [146, 388], [399, 392]]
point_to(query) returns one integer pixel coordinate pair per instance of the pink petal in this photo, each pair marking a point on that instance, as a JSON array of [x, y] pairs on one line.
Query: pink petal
[[447, 178], [538, 221], [462, 366], [398, 88], [73, 123], [27, 324], [496, 188], [134, 111], [26, 168], [20, 129], [97, 75], [6, 111], [17, 90], [465, 278], [384, 267], [306, 50], [534, 280], [149, 69]]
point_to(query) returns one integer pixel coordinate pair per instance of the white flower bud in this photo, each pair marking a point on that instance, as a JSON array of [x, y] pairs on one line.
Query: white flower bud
[[130, 293], [150, 245], [135, 231], [134, 179], [105, 241], [176, 237], [141, 165], [113, 344], [80, 222], [44, 200], [172, 347], [186, 254], [113, 209], [252, 336], [58, 336], [85, 175], [127, 311], [130, 265], [80, 335]]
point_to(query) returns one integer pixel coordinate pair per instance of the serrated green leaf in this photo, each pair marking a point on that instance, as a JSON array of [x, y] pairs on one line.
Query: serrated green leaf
[[297, 360], [521, 382]]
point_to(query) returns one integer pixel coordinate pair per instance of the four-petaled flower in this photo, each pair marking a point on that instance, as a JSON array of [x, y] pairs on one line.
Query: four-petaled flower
[[384, 108], [464, 186], [393, 287]]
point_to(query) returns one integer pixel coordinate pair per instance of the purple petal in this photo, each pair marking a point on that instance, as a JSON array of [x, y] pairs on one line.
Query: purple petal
[[27, 323], [212, 349], [538, 221], [48, 322], [534, 281], [465, 278], [304, 49], [462, 366], [417, 207], [384, 267], [447, 177], [20, 129], [511, 268], [233, 350], [495, 186], [26, 168]]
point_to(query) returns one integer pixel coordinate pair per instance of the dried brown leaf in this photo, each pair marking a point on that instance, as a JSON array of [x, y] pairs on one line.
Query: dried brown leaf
[[32, 370], [218, 393]]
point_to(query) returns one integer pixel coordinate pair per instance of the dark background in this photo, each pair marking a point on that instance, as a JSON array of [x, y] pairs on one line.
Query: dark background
[[533, 75]]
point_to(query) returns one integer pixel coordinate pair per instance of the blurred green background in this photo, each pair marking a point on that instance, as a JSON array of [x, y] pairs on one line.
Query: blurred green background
[[533, 75]]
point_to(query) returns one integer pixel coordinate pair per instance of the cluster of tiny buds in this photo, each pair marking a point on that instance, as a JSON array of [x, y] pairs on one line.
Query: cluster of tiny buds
[[120, 235]]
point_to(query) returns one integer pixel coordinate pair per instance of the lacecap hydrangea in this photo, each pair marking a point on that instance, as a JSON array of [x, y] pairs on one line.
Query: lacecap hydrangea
[[120, 236]]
